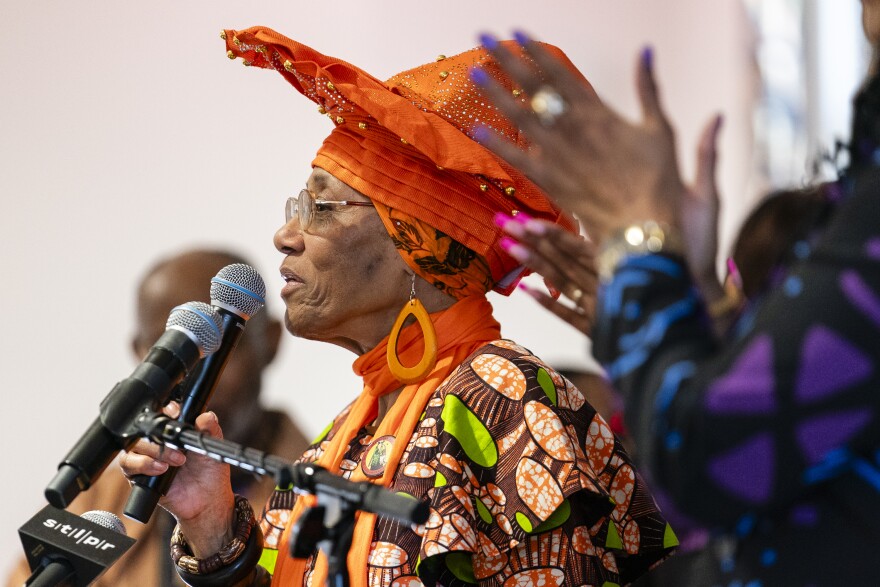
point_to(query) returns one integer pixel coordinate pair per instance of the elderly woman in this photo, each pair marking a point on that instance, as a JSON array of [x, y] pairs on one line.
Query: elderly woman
[[526, 483]]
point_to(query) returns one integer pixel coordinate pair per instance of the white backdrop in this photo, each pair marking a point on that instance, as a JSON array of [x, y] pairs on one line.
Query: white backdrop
[[126, 133]]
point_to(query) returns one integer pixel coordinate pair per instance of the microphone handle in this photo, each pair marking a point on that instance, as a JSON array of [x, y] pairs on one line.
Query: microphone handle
[[146, 388], [146, 490], [57, 572]]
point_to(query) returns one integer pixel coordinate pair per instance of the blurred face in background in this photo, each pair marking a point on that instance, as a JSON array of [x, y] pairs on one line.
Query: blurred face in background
[[871, 20], [187, 278]]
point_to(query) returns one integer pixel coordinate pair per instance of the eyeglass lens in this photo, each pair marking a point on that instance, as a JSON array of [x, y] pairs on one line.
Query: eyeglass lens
[[300, 207]]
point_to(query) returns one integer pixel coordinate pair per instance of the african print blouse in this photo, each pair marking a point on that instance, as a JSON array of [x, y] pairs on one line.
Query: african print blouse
[[527, 486], [773, 439]]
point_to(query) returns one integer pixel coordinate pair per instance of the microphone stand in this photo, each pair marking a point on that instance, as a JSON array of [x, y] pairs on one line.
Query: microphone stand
[[328, 525]]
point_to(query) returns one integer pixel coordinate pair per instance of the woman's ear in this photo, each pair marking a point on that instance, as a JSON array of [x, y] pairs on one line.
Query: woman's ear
[[432, 298]]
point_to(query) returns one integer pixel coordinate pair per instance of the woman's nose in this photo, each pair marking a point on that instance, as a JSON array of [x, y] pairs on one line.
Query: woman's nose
[[289, 239]]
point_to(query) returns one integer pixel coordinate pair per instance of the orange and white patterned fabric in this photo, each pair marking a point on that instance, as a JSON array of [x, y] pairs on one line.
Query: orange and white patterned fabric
[[527, 486]]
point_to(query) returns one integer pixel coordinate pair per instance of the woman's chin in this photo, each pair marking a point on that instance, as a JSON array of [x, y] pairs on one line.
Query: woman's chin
[[294, 325]]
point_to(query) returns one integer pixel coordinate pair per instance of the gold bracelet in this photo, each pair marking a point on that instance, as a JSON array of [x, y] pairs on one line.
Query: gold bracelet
[[644, 238]]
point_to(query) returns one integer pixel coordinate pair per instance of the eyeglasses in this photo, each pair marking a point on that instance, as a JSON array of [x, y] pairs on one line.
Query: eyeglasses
[[304, 207]]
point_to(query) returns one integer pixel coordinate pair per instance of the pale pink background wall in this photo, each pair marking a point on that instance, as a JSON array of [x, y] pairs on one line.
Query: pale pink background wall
[[126, 133]]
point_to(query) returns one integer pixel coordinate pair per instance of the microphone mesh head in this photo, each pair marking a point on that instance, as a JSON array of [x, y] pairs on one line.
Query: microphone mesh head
[[239, 289], [106, 520], [200, 322]]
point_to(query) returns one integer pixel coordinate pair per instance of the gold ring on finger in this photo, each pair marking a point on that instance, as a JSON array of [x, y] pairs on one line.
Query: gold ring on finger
[[548, 105], [576, 295]]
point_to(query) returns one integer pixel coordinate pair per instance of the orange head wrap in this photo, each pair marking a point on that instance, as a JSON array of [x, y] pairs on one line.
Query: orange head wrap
[[407, 145]]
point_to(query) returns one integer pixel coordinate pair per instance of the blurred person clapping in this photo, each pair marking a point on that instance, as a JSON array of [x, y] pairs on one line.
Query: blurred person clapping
[[770, 438]]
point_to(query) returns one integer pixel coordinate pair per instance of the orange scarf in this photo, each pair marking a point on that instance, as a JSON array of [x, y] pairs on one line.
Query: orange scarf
[[461, 330]]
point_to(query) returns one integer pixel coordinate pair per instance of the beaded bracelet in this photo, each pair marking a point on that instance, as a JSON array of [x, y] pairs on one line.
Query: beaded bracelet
[[233, 561]]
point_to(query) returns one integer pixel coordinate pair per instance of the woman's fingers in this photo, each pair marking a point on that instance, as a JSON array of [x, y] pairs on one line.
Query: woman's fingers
[[520, 72], [524, 118], [140, 464], [149, 458], [562, 249], [527, 163], [575, 274], [565, 260], [158, 452], [542, 264], [572, 87], [209, 424], [647, 87], [577, 317], [707, 158], [171, 409]]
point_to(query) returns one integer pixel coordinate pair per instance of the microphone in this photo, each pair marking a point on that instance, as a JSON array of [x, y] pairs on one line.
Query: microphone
[[66, 549], [193, 331], [237, 293]]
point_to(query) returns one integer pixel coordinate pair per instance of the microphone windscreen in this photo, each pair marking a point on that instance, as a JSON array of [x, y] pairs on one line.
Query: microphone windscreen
[[106, 520], [200, 322], [239, 289]]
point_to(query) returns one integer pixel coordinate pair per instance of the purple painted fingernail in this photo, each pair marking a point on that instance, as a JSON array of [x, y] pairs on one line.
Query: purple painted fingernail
[[522, 217], [488, 41], [521, 37], [478, 76], [648, 58]]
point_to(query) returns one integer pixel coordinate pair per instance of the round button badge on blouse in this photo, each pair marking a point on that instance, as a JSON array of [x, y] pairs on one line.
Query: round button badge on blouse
[[376, 456]]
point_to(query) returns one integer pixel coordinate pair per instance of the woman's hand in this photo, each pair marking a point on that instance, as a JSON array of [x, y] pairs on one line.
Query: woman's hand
[[566, 260], [201, 495], [607, 171]]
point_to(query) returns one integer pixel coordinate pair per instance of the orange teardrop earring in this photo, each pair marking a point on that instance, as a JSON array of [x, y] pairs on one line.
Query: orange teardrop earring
[[419, 371]]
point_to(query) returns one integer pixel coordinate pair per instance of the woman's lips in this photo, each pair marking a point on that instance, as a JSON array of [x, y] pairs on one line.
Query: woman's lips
[[292, 281]]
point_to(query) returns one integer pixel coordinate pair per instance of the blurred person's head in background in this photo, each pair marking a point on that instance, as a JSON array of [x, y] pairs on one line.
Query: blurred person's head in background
[[775, 234], [187, 277]]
